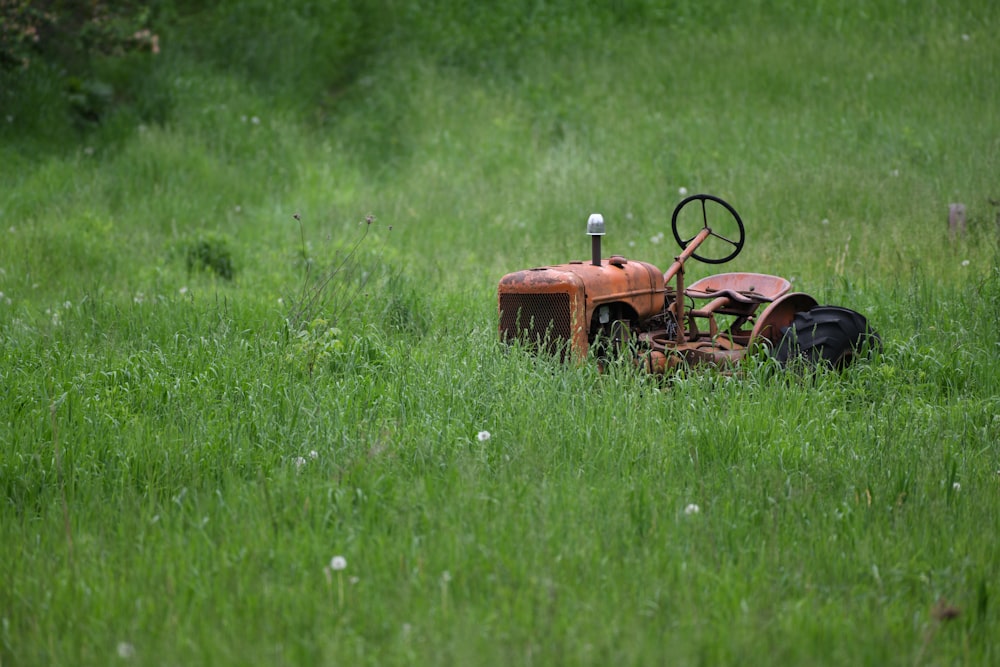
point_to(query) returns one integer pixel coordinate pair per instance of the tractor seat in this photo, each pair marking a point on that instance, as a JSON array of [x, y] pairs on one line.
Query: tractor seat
[[744, 288]]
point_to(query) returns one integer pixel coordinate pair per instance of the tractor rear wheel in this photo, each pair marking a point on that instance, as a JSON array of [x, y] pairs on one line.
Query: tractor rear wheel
[[827, 335]]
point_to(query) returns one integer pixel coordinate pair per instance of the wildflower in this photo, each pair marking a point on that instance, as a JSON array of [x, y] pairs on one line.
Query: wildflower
[[965, 38], [183, 290], [445, 579], [67, 305], [255, 120], [483, 436], [956, 487], [965, 262], [125, 650], [691, 509], [313, 454], [682, 191], [299, 462], [337, 564]]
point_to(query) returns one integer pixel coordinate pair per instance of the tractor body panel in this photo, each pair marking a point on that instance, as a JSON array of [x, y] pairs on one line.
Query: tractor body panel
[[556, 306]]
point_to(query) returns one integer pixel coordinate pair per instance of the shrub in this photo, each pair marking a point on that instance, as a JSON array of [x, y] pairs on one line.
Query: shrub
[[210, 252]]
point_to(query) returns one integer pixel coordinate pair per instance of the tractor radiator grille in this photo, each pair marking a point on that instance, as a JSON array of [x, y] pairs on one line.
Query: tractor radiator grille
[[536, 319]]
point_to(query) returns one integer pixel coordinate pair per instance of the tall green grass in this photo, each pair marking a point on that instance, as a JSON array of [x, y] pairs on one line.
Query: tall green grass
[[180, 458]]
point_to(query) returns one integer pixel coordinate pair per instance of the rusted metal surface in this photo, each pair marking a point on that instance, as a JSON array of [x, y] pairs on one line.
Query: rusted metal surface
[[553, 303], [545, 308], [740, 287], [737, 294], [778, 315]]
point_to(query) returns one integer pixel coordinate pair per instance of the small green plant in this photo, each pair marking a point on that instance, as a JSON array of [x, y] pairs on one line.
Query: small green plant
[[315, 344], [210, 252], [332, 288]]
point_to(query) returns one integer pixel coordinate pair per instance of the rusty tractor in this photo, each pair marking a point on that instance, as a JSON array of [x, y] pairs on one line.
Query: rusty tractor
[[612, 306]]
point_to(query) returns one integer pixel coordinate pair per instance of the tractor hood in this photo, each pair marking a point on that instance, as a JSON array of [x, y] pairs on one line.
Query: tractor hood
[[616, 280], [559, 301]]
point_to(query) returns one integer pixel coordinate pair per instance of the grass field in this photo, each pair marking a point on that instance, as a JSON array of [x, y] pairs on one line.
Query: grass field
[[188, 439]]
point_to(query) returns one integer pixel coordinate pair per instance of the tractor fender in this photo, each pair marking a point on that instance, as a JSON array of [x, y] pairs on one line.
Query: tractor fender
[[779, 314]]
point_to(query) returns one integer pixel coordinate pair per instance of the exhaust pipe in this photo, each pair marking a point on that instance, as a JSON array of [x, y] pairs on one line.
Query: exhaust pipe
[[595, 229]]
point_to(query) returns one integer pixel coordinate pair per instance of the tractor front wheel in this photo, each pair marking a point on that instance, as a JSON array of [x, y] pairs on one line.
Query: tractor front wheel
[[827, 335]]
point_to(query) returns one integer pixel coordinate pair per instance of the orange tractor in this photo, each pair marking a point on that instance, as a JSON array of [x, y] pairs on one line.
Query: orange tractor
[[614, 306]]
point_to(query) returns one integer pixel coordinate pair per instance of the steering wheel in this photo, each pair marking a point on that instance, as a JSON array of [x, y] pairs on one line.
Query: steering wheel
[[737, 244]]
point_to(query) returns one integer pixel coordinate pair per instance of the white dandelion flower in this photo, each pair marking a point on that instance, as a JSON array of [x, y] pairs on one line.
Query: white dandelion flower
[[483, 436], [338, 563]]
